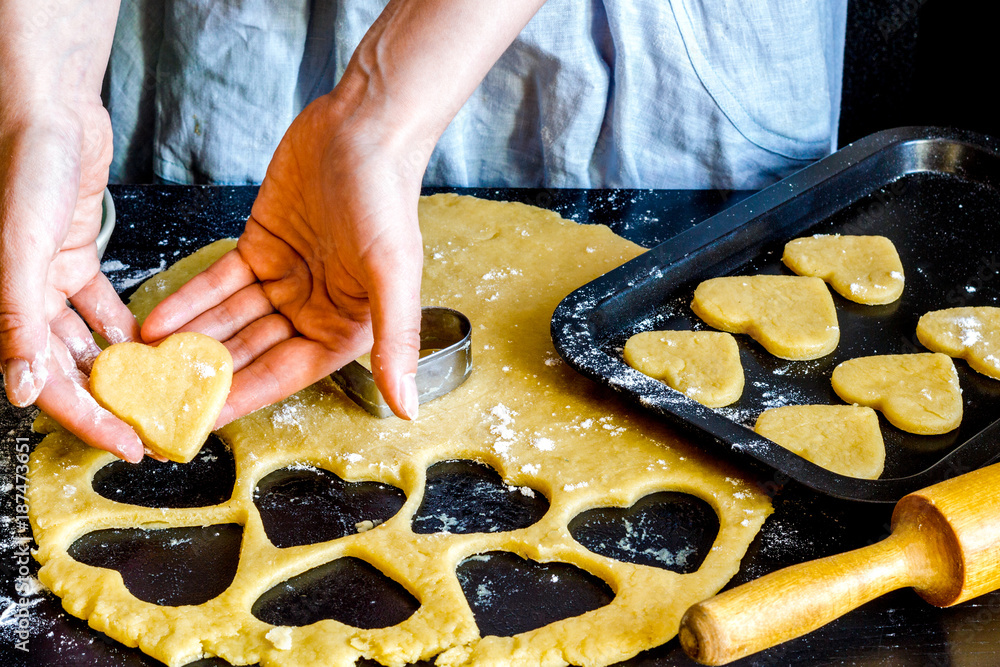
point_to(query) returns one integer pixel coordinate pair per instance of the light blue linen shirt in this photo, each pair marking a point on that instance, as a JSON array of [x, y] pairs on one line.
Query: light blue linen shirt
[[593, 93]]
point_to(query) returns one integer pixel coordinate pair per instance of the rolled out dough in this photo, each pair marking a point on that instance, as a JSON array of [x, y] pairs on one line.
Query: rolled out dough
[[522, 411], [703, 365], [793, 317]]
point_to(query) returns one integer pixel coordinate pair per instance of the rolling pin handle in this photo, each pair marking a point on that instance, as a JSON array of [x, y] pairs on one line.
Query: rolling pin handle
[[795, 600], [944, 544]]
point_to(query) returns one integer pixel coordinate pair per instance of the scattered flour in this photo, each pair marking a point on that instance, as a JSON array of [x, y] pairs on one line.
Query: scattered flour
[[543, 444], [288, 415], [969, 330], [123, 276], [484, 596], [204, 370], [503, 429]]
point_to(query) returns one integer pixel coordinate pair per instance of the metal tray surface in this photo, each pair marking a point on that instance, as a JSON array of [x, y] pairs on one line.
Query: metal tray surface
[[934, 192]]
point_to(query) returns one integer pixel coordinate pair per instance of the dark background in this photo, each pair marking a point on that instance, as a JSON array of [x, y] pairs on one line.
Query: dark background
[[919, 62]]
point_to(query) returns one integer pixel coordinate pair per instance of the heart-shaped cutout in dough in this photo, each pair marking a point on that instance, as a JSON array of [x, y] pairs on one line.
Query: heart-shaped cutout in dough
[[463, 497], [170, 394], [172, 567], [671, 530], [306, 505], [703, 365], [510, 594], [863, 269], [793, 317], [971, 333], [348, 590], [917, 393], [844, 439], [207, 479]]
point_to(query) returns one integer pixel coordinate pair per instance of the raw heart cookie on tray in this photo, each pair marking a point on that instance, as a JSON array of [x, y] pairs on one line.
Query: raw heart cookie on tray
[[917, 393], [522, 412], [702, 365], [792, 317], [970, 333], [863, 269], [844, 439]]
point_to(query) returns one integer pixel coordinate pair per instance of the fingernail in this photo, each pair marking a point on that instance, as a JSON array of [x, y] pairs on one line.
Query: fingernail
[[20, 383], [132, 452], [409, 392]]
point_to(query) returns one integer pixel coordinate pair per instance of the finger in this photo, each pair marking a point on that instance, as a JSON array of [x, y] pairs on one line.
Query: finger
[[257, 338], [232, 315], [280, 372], [395, 302], [27, 245], [76, 336], [227, 276], [66, 398], [102, 308]]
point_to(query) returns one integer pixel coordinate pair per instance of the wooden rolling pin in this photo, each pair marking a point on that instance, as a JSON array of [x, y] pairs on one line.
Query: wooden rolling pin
[[945, 543]]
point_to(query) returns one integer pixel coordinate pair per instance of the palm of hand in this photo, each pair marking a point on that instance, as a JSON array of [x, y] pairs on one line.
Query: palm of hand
[[329, 260]]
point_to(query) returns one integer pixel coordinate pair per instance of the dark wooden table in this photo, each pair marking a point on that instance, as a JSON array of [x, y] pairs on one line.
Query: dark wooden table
[[159, 224]]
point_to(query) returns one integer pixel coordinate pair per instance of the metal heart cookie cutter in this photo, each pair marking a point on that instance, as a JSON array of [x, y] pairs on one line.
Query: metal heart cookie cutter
[[445, 362]]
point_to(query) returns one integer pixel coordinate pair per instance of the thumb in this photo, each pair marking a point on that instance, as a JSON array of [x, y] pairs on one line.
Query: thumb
[[395, 302]]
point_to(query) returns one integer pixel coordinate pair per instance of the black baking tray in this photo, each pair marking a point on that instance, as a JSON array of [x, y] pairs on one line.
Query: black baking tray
[[934, 192]]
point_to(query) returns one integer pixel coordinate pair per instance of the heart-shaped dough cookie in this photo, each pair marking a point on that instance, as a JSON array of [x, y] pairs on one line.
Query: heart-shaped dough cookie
[[793, 317], [970, 333], [170, 394], [918, 393], [864, 269], [703, 365], [844, 439]]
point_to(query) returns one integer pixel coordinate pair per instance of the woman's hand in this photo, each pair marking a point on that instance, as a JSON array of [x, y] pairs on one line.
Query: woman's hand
[[55, 149], [329, 264]]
